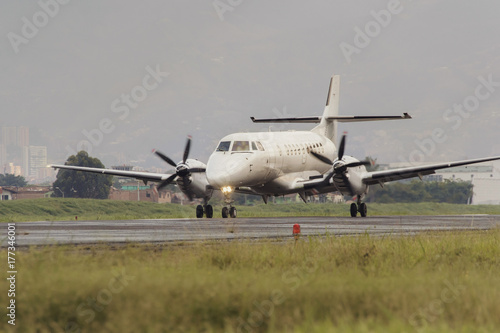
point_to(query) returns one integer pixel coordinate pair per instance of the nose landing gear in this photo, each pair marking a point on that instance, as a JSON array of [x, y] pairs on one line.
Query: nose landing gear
[[228, 210]]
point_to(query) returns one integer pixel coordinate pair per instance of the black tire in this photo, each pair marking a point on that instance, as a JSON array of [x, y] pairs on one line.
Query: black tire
[[354, 210], [199, 211], [210, 211], [232, 212], [363, 210], [225, 212]]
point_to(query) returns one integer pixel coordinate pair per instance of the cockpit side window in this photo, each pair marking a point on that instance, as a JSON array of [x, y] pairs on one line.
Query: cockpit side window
[[241, 146], [254, 146], [224, 146], [259, 146]]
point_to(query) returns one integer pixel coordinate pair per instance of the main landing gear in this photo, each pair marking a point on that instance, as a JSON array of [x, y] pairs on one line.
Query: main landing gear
[[206, 210], [359, 207]]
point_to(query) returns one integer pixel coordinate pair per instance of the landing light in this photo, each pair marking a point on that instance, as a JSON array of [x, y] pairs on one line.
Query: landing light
[[227, 189]]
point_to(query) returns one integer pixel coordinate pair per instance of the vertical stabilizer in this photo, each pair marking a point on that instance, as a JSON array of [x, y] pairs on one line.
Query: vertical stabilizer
[[327, 127]]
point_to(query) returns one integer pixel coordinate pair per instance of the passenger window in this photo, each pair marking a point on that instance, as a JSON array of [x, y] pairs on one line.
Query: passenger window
[[240, 146], [224, 146]]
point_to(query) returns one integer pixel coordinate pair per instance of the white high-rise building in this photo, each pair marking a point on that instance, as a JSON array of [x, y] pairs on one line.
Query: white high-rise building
[[37, 160]]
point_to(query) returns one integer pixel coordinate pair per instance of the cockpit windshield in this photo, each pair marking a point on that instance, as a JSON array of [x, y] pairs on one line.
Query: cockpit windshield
[[224, 146], [241, 146]]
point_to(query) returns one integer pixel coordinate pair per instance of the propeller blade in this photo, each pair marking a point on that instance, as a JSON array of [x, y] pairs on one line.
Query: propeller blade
[[347, 183], [166, 182], [194, 170], [356, 164], [186, 150], [341, 148], [165, 158], [321, 158], [330, 175]]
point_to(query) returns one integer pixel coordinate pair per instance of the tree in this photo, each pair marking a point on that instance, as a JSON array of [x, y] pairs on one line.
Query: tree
[[417, 191], [78, 184], [11, 180]]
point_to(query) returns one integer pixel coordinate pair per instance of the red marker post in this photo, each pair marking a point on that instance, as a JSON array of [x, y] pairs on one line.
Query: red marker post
[[296, 231]]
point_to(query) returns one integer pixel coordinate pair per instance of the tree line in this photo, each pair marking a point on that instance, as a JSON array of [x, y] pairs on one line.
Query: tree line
[[458, 192]]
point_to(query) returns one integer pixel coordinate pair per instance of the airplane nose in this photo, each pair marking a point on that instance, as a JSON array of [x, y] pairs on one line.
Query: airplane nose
[[226, 171], [217, 179]]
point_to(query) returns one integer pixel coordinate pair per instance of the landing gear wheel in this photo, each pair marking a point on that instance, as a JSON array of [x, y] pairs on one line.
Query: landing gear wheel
[[232, 212], [199, 211], [354, 210], [209, 211], [363, 210], [225, 212]]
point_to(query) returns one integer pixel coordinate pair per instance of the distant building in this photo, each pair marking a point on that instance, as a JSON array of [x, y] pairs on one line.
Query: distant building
[[3, 157], [5, 194], [14, 142], [23, 136], [130, 192], [19, 193], [14, 169], [486, 191], [484, 176], [37, 160], [123, 167]]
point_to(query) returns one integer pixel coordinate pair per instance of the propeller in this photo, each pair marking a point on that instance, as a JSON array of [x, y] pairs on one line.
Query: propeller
[[339, 166], [181, 169]]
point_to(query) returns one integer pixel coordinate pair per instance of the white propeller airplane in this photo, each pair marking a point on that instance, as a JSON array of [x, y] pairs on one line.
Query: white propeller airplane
[[280, 163]]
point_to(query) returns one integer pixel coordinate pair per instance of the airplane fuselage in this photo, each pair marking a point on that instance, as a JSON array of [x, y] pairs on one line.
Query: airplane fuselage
[[268, 162]]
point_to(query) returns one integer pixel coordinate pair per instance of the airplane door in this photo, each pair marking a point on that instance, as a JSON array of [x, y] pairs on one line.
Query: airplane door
[[278, 158], [272, 161]]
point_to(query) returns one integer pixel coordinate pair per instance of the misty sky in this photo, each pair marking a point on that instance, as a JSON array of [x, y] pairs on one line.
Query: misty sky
[[204, 67]]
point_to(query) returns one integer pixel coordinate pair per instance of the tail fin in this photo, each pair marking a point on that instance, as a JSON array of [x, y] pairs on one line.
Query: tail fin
[[328, 126], [328, 122]]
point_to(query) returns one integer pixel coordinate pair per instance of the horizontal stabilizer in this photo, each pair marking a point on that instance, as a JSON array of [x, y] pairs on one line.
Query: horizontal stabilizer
[[309, 120], [341, 119], [352, 119]]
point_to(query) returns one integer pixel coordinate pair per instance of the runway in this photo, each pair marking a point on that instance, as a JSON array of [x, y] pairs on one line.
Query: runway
[[172, 230]]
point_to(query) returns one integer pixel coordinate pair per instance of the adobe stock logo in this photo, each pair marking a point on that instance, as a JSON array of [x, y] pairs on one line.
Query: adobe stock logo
[[31, 28], [455, 116], [222, 6], [372, 29]]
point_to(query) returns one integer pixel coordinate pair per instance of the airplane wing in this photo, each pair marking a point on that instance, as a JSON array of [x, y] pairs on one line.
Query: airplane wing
[[144, 176], [380, 177]]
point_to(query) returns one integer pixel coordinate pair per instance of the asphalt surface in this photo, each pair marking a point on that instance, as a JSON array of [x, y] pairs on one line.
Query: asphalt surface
[[172, 230]]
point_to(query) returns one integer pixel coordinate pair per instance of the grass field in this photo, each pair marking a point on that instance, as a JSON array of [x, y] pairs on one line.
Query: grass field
[[435, 282], [57, 209]]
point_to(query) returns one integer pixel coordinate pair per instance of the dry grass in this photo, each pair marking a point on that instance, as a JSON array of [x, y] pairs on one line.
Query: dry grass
[[443, 282]]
